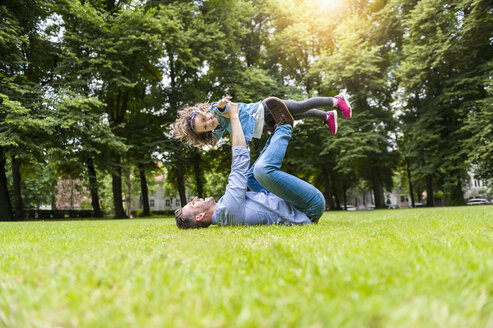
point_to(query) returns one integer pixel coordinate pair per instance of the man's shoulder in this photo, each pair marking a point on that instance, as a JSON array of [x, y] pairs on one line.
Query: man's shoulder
[[226, 214]]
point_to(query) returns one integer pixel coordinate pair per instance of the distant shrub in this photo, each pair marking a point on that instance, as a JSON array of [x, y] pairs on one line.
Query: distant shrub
[[139, 213], [32, 214], [163, 212], [85, 205]]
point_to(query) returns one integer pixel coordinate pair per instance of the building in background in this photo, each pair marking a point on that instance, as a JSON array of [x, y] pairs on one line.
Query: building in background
[[72, 195], [478, 188], [162, 198]]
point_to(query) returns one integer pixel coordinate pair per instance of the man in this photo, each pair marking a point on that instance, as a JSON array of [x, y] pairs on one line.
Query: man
[[276, 197]]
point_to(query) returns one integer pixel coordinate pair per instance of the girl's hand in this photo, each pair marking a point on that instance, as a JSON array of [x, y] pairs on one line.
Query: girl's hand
[[222, 103]]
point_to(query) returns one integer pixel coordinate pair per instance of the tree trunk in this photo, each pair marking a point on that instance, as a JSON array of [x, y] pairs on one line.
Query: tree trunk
[[93, 185], [198, 174], [429, 191], [117, 190], [16, 177], [456, 195], [71, 194], [53, 202], [328, 193], [180, 181], [143, 189], [180, 177], [128, 198], [410, 182], [419, 193], [5, 205], [377, 190], [344, 199], [334, 191]]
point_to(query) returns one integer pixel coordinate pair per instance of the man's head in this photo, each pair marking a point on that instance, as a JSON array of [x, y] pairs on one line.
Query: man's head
[[196, 214]]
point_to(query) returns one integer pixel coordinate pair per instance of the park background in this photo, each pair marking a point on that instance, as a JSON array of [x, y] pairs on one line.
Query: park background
[[89, 91]]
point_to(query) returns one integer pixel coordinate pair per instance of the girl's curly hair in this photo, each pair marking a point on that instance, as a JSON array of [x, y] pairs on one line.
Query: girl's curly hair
[[183, 131]]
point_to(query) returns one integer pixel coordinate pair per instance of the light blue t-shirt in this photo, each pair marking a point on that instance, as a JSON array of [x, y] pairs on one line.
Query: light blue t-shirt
[[241, 207], [247, 120]]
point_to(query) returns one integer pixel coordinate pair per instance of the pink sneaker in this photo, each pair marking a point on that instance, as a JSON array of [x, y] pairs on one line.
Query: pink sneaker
[[344, 106], [332, 121]]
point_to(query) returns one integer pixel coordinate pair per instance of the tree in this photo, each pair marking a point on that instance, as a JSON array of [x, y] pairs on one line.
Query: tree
[[145, 137], [443, 82], [83, 139], [361, 64], [26, 62], [475, 77], [115, 48], [200, 53]]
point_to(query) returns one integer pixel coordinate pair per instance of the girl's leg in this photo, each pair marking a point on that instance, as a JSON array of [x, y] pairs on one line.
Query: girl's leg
[[307, 108]]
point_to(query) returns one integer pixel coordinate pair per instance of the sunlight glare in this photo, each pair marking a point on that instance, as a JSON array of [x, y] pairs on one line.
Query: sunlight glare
[[324, 5]]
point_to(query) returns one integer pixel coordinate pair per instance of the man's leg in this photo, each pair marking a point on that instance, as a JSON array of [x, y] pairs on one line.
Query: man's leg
[[252, 183], [299, 193]]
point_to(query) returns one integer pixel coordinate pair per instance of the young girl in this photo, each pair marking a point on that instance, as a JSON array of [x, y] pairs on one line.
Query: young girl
[[203, 124]]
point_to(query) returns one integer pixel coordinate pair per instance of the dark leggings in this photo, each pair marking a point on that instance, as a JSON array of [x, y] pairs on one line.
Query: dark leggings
[[306, 108]]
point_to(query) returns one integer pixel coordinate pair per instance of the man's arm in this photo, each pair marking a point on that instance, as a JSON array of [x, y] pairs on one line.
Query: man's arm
[[237, 135], [234, 197]]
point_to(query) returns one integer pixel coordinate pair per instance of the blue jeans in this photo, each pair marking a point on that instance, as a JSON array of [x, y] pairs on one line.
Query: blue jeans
[[265, 176]]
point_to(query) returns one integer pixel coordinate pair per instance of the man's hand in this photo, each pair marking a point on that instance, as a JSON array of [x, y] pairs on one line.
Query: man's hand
[[222, 103], [234, 109]]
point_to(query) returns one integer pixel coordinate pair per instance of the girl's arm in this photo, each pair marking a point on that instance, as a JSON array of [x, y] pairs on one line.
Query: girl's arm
[[222, 106], [223, 102]]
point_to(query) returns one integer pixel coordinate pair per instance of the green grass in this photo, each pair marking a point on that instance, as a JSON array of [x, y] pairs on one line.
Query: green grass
[[388, 268]]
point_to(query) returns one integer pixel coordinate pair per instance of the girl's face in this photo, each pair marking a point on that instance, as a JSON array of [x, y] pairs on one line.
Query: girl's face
[[205, 122]]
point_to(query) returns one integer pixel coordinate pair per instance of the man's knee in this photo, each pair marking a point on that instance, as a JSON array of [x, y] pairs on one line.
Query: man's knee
[[318, 206], [253, 183], [261, 172]]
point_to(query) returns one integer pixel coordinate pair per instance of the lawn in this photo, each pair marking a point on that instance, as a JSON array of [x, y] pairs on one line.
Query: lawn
[[382, 268]]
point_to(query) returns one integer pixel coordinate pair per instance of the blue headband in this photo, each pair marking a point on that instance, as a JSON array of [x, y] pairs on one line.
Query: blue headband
[[191, 121]]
